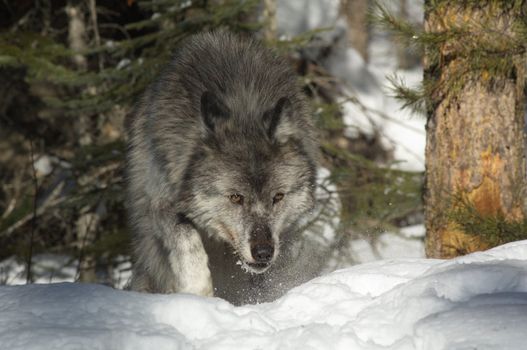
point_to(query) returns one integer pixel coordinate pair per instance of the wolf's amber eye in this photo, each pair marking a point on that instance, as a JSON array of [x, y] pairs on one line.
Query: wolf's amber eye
[[278, 197], [236, 198]]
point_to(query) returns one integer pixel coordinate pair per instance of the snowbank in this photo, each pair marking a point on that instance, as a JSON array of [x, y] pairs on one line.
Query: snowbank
[[477, 301]]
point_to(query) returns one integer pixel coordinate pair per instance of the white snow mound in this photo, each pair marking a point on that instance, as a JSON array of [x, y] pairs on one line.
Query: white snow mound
[[477, 301]]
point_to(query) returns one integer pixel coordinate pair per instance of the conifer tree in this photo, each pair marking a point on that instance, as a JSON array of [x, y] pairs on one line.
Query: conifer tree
[[474, 96], [475, 154]]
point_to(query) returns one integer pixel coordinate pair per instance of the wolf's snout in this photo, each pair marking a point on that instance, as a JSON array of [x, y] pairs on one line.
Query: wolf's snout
[[262, 253], [261, 241]]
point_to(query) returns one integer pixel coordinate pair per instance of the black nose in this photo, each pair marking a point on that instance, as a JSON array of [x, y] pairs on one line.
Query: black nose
[[262, 253]]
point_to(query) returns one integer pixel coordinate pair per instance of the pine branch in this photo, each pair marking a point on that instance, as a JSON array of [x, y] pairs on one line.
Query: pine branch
[[414, 99], [482, 50], [494, 229], [379, 15]]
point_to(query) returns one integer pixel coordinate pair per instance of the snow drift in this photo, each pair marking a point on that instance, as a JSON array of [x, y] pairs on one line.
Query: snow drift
[[477, 301]]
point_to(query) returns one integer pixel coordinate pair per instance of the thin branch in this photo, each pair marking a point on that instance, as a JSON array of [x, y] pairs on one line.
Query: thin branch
[[97, 37], [83, 243], [34, 216], [51, 202]]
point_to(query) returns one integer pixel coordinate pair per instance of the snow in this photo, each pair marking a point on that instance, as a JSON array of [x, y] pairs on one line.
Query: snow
[[396, 299], [373, 110], [43, 166], [478, 301], [54, 268], [408, 243], [296, 17]]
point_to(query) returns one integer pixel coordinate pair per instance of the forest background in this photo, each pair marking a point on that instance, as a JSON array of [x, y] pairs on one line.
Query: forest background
[[71, 72]]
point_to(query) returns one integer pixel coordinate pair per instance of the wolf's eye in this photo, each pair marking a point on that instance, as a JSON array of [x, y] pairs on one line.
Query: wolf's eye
[[236, 198], [278, 197]]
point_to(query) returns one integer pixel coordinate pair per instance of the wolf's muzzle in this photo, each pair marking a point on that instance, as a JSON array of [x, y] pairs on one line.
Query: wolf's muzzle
[[262, 253], [261, 241]]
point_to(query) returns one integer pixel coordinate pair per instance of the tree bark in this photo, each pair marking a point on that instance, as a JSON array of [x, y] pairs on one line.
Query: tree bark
[[269, 16], [356, 12], [76, 33], [475, 128]]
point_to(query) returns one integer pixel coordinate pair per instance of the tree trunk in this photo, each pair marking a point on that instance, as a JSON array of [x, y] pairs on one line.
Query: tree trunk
[[269, 16], [356, 12], [475, 148]]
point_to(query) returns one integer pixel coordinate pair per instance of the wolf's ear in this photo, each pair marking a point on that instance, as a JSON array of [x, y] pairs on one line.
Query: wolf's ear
[[212, 110], [277, 121]]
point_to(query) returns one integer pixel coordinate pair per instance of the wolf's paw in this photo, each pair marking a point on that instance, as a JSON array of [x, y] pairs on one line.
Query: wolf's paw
[[191, 270]]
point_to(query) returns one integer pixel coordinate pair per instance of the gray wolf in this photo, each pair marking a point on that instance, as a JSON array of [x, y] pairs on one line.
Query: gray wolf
[[221, 167]]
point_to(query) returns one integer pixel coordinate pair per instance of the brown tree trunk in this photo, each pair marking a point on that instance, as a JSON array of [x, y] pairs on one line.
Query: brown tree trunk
[[475, 129], [269, 16], [356, 12]]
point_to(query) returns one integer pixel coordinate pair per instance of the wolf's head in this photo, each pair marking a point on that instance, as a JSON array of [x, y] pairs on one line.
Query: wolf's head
[[252, 177]]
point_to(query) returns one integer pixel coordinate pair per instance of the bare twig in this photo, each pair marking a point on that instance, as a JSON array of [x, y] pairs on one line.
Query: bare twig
[[87, 229], [98, 173], [9, 208], [97, 37], [34, 216], [53, 201]]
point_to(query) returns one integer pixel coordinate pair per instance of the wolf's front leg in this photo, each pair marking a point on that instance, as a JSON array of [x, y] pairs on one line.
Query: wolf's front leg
[[187, 259]]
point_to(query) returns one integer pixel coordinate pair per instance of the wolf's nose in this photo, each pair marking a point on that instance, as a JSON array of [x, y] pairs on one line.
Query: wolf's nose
[[262, 253]]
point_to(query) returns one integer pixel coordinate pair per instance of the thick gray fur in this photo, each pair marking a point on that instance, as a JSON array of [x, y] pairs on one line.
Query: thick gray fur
[[225, 117]]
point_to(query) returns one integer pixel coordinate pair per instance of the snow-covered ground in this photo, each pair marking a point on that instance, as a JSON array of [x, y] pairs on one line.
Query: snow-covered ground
[[54, 268], [477, 301], [407, 243], [402, 301]]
